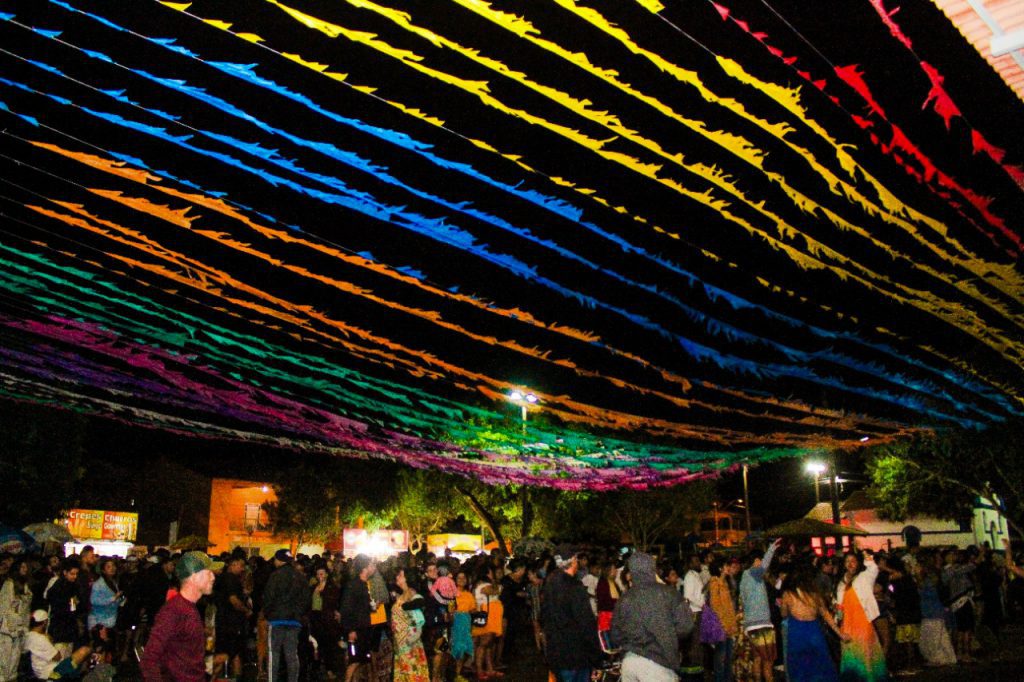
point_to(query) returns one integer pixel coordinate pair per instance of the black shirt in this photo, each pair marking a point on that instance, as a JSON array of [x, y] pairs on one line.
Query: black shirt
[[229, 585]]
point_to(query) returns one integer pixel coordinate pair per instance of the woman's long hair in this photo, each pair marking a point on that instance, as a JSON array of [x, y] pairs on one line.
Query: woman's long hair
[[111, 582]]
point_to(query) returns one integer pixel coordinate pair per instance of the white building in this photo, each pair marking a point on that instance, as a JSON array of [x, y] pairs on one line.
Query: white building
[[988, 525]]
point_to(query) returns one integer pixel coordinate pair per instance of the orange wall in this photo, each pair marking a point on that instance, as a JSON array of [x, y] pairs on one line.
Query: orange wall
[[228, 498]]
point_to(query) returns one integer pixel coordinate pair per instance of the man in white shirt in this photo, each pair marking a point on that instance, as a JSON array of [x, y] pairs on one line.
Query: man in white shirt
[[589, 580], [693, 593], [47, 662]]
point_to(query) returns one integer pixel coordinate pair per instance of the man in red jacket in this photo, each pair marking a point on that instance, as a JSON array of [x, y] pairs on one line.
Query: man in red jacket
[[177, 643]]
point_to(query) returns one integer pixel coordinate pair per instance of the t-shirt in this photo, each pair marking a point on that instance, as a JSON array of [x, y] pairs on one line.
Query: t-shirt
[[465, 601], [229, 585], [44, 654], [590, 582], [481, 598], [176, 645]]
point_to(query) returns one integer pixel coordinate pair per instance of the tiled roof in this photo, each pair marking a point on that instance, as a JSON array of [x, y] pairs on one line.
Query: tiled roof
[[974, 19]]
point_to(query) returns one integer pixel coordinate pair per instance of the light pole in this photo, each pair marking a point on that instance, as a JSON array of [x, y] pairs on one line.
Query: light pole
[[523, 399], [817, 469], [746, 496]]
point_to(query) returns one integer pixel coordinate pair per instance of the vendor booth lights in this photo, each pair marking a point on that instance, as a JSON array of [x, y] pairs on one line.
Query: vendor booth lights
[[378, 544], [103, 547], [110, 533]]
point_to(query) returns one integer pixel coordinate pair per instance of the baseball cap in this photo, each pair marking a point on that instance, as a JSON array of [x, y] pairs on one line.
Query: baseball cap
[[283, 555], [40, 616], [191, 563]]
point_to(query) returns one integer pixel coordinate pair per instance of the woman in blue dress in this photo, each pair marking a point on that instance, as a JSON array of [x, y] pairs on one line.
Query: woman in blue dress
[[804, 610]]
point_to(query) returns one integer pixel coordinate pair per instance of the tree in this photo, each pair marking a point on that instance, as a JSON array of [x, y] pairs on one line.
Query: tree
[[319, 494], [942, 474], [644, 517], [423, 503], [41, 458]]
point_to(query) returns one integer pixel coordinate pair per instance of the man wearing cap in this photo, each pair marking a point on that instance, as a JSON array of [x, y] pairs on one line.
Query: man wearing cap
[[177, 642], [47, 661], [286, 600], [570, 627]]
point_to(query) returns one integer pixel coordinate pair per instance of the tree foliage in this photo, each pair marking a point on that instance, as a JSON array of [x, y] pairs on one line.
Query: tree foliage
[[645, 517], [425, 501], [41, 459], [319, 496], [942, 474]]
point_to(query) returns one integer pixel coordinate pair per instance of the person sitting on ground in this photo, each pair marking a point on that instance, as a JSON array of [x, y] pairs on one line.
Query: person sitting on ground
[[47, 661]]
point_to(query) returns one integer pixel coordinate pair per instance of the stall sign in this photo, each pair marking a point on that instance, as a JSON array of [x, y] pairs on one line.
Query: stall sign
[[96, 524], [377, 543]]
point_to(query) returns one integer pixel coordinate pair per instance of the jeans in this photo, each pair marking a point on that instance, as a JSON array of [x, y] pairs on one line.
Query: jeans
[[582, 675], [723, 660], [283, 644]]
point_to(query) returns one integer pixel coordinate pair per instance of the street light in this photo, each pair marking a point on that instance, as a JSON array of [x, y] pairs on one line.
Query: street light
[[523, 399], [816, 468]]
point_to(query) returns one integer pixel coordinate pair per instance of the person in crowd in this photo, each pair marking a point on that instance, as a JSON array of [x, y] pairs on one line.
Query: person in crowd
[[48, 662], [884, 623], [486, 593], [570, 627], [15, 617], [407, 622], [535, 575], [324, 620], [958, 580], [177, 641], [285, 602], [381, 653], [435, 612], [827, 575], [607, 593], [803, 608], [154, 583], [991, 578], [647, 623], [862, 654], [105, 597], [516, 607], [65, 628], [1011, 565], [720, 600], [906, 612], [356, 607], [757, 617], [462, 624], [694, 594], [935, 645], [43, 579], [88, 561], [589, 577], [233, 613], [130, 611]]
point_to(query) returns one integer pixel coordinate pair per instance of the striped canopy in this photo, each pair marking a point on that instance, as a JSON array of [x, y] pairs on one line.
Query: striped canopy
[[683, 234]]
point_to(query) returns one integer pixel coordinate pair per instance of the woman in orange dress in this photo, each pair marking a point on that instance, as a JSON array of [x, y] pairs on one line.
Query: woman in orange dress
[[486, 592]]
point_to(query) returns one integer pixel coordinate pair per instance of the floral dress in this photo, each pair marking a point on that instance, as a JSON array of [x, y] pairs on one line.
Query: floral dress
[[14, 616], [407, 626]]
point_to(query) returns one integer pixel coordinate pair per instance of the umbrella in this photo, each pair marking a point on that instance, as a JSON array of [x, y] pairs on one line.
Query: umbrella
[[48, 532], [812, 528], [190, 542], [15, 541]]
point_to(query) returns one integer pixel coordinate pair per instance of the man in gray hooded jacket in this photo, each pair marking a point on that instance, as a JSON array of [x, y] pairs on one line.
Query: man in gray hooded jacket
[[647, 623]]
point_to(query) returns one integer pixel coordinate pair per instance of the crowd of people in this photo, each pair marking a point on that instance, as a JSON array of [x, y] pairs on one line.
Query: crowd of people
[[758, 616]]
